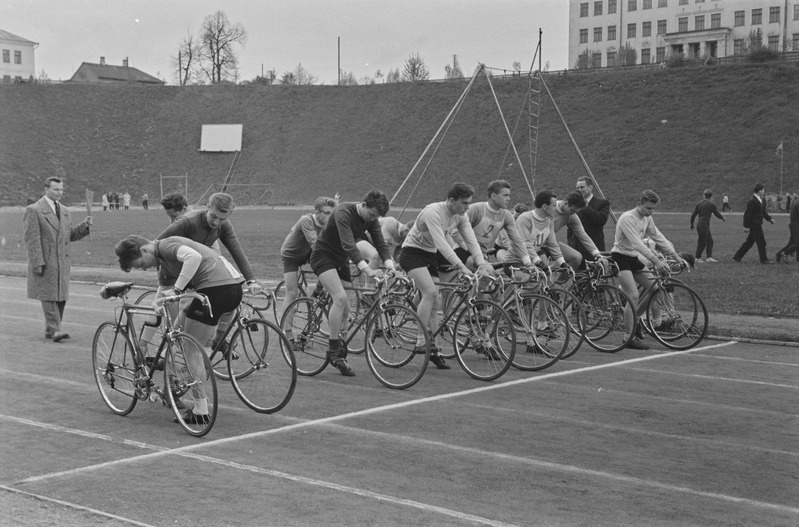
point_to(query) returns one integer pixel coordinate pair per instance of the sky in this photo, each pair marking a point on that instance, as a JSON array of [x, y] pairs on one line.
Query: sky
[[375, 34]]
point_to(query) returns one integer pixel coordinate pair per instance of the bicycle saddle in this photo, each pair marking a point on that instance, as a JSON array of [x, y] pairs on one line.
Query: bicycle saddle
[[115, 289]]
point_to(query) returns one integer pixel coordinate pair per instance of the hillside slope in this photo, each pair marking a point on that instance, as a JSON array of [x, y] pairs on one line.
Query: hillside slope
[[674, 130]]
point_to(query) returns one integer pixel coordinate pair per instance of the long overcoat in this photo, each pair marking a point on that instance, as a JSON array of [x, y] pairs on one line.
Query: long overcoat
[[47, 241]]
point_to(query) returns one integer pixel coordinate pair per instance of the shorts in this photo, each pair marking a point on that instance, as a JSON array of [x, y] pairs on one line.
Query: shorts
[[292, 265], [322, 261], [627, 263], [461, 253], [223, 299], [413, 258]]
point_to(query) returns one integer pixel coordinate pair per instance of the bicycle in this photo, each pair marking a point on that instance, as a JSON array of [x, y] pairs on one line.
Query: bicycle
[[389, 336], [124, 375], [605, 306], [306, 283], [571, 305], [684, 320]]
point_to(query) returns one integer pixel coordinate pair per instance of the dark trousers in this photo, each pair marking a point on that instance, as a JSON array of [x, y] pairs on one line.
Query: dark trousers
[[705, 241], [793, 242], [53, 313], [725, 207], [755, 237]]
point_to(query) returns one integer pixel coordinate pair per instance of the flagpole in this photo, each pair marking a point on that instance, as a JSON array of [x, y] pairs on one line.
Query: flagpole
[[782, 153]]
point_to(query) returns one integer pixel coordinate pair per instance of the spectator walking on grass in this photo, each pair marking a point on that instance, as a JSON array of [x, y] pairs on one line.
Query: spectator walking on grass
[[725, 203], [126, 200], [793, 240], [145, 201], [753, 224], [105, 201], [703, 210], [48, 232]]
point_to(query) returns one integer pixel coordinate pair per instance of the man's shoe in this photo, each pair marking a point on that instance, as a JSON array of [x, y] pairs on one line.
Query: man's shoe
[[711, 260], [194, 419], [636, 344], [779, 258], [491, 353], [767, 262], [736, 260], [438, 360], [58, 336], [48, 335], [342, 366], [700, 260]]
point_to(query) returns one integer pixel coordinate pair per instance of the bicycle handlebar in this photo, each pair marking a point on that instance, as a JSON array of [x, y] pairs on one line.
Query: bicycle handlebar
[[175, 298]]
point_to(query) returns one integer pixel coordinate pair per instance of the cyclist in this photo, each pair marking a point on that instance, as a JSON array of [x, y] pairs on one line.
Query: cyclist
[[633, 226], [175, 205], [335, 247], [183, 263], [566, 215], [296, 249], [426, 247], [537, 231]]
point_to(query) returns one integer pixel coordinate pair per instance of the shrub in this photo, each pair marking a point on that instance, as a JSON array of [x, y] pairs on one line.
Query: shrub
[[762, 54]]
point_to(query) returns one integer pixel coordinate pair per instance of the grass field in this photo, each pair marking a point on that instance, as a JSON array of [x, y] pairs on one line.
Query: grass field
[[727, 287]]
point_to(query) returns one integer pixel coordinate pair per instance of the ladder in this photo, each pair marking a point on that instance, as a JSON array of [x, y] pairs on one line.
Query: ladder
[[533, 120]]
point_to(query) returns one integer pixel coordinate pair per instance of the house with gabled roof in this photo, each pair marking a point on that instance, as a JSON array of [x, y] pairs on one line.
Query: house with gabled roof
[[103, 73], [16, 57]]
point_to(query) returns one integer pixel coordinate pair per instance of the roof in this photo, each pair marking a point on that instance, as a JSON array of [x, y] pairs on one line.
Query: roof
[[11, 37], [104, 73]]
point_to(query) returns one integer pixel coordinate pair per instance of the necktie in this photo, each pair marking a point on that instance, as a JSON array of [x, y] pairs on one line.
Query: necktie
[[57, 210]]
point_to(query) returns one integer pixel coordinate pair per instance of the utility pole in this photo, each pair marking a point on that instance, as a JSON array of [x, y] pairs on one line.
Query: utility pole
[[339, 61], [180, 82]]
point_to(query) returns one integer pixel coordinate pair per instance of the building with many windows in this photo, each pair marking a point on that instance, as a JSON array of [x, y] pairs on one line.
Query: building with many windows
[[626, 32], [16, 64]]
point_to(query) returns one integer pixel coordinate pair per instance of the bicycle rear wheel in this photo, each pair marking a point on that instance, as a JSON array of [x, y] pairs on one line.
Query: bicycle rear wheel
[[190, 384], [305, 325], [146, 298], [575, 314], [543, 327], [262, 366], [114, 365], [391, 337], [356, 335], [676, 316], [489, 340], [605, 308]]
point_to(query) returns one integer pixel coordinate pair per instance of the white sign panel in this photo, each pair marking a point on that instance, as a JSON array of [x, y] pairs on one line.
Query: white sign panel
[[221, 138]]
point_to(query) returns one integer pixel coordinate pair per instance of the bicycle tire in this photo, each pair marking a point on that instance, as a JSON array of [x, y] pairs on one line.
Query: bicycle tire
[[448, 334], [543, 325], [190, 384], [114, 365], [391, 336], [573, 309], [146, 296], [489, 347], [687, 318], [261, 351], [305, 324], [358, 310], [605, 308]]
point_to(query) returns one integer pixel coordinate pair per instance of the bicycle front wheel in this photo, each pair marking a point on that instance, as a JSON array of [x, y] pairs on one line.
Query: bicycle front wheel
[[262, 366], [190, 384], [606, 308], [305, 324], [391, 337], [146, 298], [543, 326], [575, 315], [489, 340], [114, 364], [677, 316]]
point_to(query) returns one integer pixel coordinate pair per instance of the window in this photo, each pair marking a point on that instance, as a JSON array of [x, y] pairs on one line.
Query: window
[[7, 79], [646, 29], [17, 57], [738, 46], [598, 8], [757, 17], [645, 55], [774, 14], [660, 54], [584, 10], [699, 1], [6, 56], [630, 30], [715, 21], [596, 60], [597, 34], [663, 3], [683, 2], [699, 22], [795, 40], [774, 43], [611, 32], [611, 58], [796, 11], [611, 7], [682, 24], [583, 36], [647, 4], [632, 5], [740, 18], [661, 27]]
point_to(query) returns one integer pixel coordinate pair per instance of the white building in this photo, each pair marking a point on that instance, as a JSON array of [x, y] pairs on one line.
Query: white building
[[601, 32], [17, 62]]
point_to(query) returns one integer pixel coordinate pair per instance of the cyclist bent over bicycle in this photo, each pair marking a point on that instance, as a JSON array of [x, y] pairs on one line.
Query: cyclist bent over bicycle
[[184, 263], [631, 229]]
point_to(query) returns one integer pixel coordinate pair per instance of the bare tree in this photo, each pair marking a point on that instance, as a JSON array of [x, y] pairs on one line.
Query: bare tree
[[347, 78], [415, 69], [394, 76], [288, 78], [379, 75], [299, 76], [453, 71], [219, 39], [186, 64]]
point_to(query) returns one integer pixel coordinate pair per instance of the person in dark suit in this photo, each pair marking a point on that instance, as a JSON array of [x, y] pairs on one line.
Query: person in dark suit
[[753, 222], [48, 233], [704, 210], [593, 217]]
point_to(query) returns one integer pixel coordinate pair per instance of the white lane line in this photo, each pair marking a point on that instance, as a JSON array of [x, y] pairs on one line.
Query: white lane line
[[360, 413], [74, 506], [751, 361], [36, 377], [717, 378], [64, 323]]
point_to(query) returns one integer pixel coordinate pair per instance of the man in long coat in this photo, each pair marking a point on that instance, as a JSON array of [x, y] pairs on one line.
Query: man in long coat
[[48, 233]]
